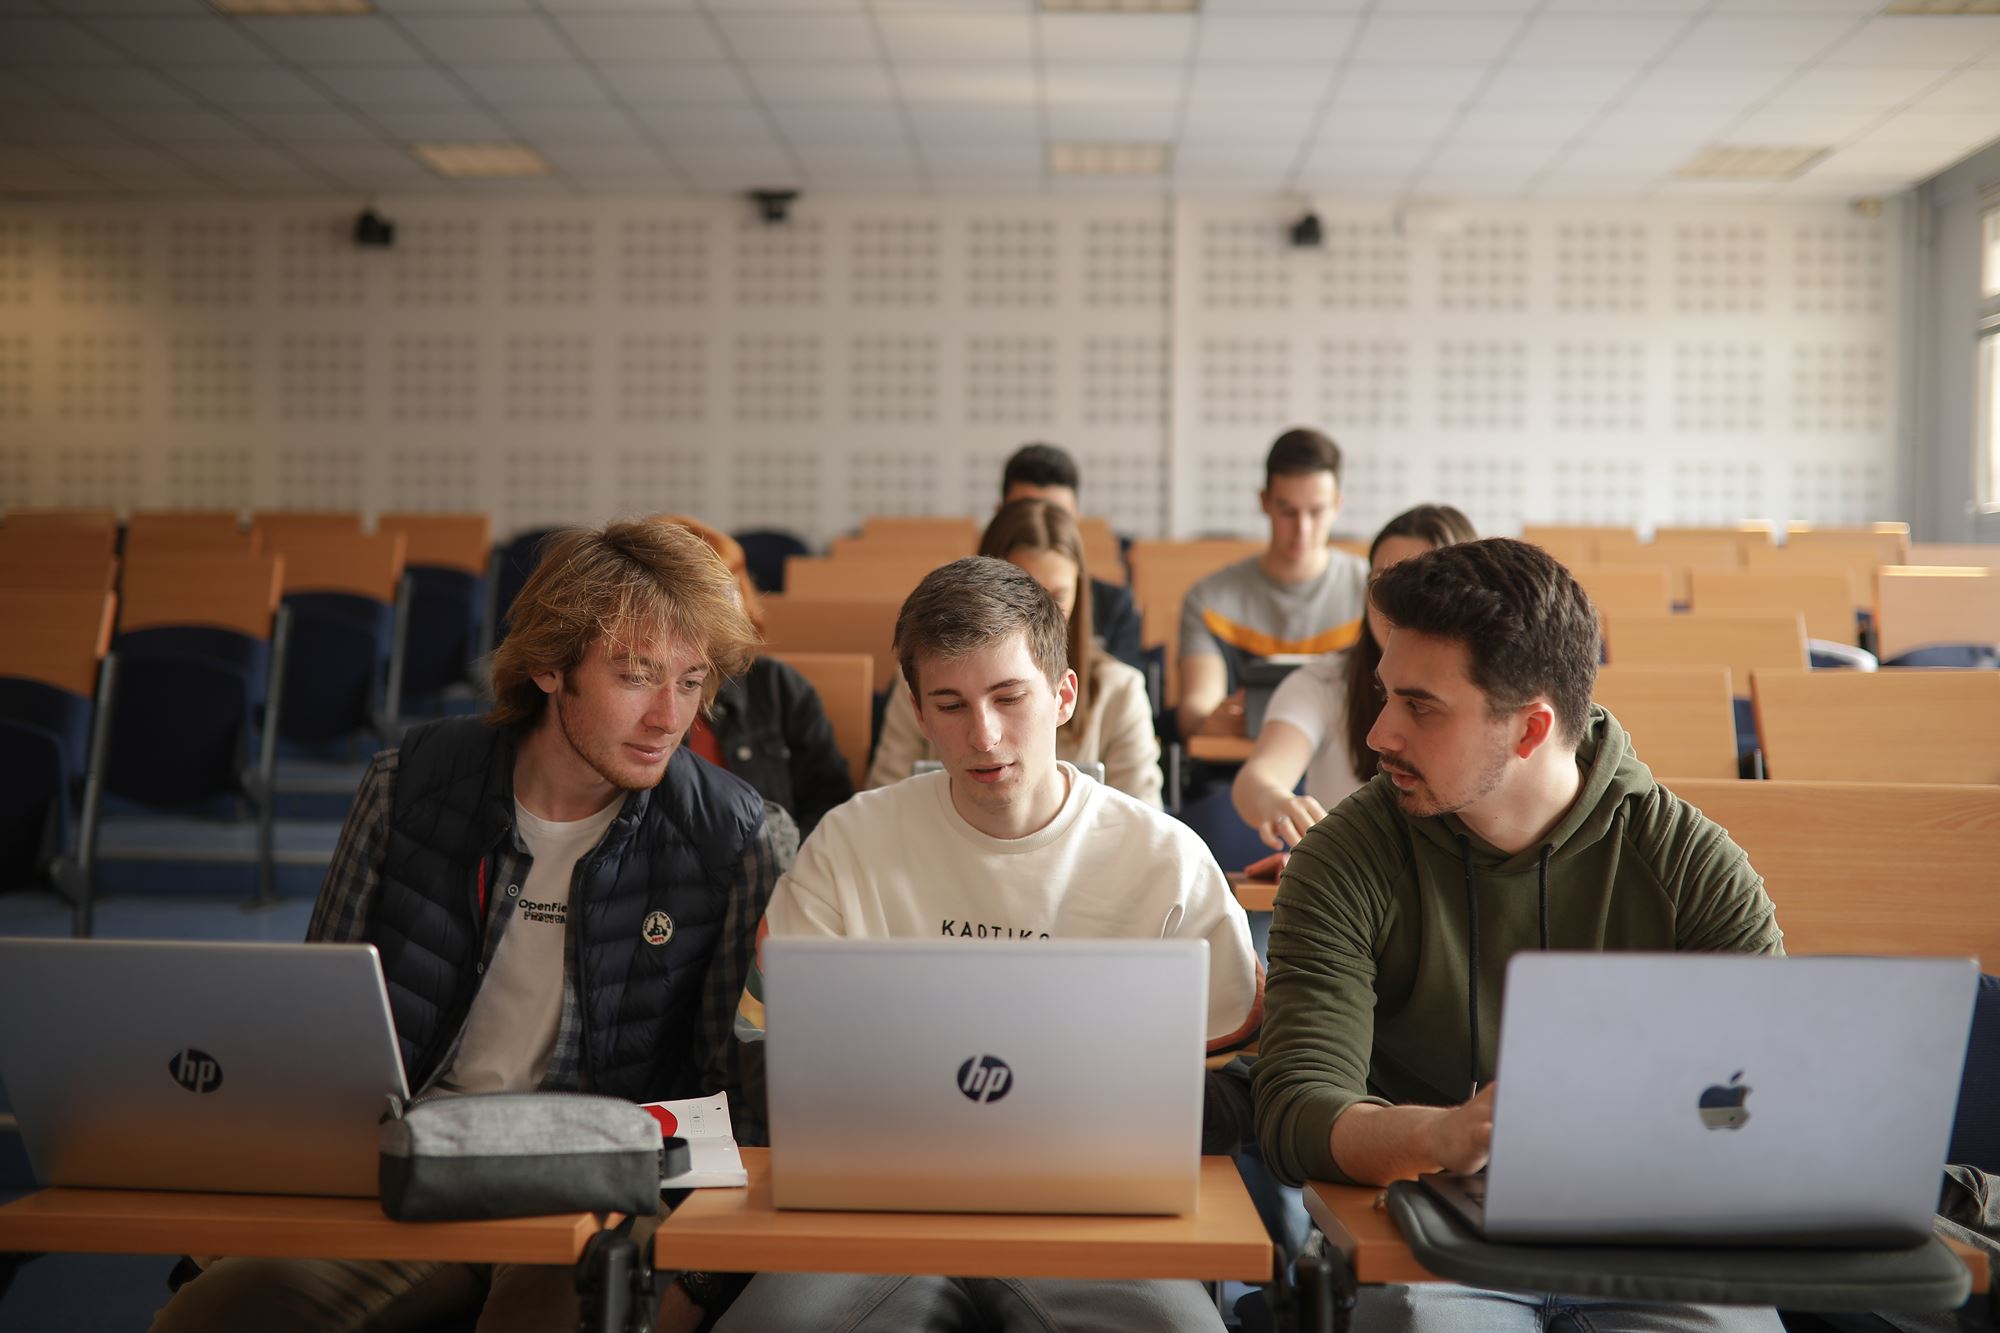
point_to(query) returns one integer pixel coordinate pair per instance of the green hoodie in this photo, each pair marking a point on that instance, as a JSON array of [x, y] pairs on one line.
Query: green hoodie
[[1367, 998]]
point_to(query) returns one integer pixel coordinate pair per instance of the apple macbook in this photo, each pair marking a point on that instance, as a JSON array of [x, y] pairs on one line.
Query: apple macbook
[[244, 1068], [1721, 1099], [986, 1076]]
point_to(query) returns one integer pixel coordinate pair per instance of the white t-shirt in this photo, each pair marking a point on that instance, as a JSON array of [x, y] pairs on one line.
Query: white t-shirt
[[901, 863], [511, 1028], [1314, 699]]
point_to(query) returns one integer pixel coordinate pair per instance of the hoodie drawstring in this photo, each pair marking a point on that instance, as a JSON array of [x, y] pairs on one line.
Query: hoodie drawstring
[[1472, 942]]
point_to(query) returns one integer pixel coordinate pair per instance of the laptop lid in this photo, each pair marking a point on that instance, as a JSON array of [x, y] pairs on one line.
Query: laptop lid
[[1046, 1076], [144, 1064], [1725, 1098]]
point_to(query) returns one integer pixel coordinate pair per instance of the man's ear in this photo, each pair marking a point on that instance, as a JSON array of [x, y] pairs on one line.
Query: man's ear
[[548, 681], [1538, 728], [1066, 697]]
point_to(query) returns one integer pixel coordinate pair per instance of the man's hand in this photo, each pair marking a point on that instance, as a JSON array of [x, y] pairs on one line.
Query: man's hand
[[1462, 1138], [1284, 825]]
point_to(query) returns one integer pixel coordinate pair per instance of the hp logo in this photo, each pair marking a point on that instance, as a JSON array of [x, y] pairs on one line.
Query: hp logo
[[985, 1078], [195, 1070]]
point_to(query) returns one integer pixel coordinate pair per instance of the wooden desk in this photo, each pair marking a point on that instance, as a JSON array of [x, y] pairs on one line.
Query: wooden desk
[[1256, 895], [738, 1231], [1367, 1235], [90, 1221], [1219, 749]]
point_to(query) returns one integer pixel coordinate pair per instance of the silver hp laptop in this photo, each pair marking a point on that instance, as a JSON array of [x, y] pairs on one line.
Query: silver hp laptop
[[250, 1068], [1040, 1076], [1721, 1099]]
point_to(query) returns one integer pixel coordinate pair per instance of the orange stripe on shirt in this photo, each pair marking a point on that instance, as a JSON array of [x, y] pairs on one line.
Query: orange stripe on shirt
[[1259, 644], [1251, 1021]]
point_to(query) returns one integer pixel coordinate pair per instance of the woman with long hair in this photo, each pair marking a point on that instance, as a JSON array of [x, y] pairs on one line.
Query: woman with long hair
[[1113, 722], [1318, 721]]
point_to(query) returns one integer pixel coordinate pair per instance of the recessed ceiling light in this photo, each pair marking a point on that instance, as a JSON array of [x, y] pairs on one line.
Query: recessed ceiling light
[[1120, 6], [1943, 7], [1750, 162], [294, 7], [1109, 159], [482, 159]]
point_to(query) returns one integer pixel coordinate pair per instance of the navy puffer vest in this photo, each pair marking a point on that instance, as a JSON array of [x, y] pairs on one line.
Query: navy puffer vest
[[675, 849]]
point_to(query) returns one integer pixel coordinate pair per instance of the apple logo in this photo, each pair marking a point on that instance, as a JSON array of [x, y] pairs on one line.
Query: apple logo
[[1721, 1105]]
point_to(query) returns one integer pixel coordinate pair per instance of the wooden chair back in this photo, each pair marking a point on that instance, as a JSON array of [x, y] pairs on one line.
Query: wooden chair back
[[845, 683], [450, 541], [56, 635], [281, 528], [366, 565], [795, 624], [1868, 868], [1918, 606], [1879, 726], [1889, 541], [1742, 643], [1944, 553], [27, 563], [1682, 720], [856, 578], [1645, 590], [188, 532], [1162, 573], [1821, 596], [958, 533], [235, 592], [1857, 561], [1683, 558], [91, 530], [1100, 549], [1587, 543], [31, 544]]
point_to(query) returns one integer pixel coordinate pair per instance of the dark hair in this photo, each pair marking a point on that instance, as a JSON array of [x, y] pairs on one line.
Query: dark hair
[[1039, 465], [1037, 525], [1527, 627], [1440, 525], [1300, 452], [962, 607]]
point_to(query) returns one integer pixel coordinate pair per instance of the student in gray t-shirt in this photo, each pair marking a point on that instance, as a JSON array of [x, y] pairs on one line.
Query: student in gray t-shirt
[[1299, 596]]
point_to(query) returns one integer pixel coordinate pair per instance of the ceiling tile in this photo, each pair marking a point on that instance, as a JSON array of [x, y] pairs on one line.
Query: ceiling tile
[[570, 124], [540, 84], [422, 8], [120, 157], [1456, 7], [1542, 85], [969, 83], [439, 124], [357, 156], [197, 124], [612, 184], [313, 127], [804, 123], [748, 155], [1621, 186], [1108, 37], [1542, 124], [1971, 90], [1647, 127], [1288, 122], [1461, 155], [605, 157], [368, 86], [231, 156], [1422, 40], [959, 156], [1368, 155], [758, 36], [1282, 40], [1427, 84], [327, 40], [1577, 39], [917, 36], [489, 38], [1653, 6], [1261, 155], [633, 37], [971, 122], [1671, 89], [1823, 8], [1849, 88], [1134, 120], [1910, 40], [108, 85], [46, 41], [755, 6], [1473, 184], [647, 85], [246, 86], [171, 41], [1963, 129], [679, 125], [1757, 41], [1112, 83], [1823, 125], [18, 93], [1400, 124], [1259, 83], [822, 83], [155, 8], [854, 155]]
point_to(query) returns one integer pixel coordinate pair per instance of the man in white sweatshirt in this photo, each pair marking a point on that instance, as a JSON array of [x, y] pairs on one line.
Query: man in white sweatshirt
[[1007, 842]]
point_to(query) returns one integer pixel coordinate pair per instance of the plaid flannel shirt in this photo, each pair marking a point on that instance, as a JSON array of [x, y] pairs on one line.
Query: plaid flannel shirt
[[354, 877]]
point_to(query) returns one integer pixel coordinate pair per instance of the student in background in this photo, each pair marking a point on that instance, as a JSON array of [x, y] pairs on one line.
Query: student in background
[[1112, 723], [1298, 596], [1317, 724], [1046, 472], [1009, 837], [563, 902], [1511, 813], [767, 725]]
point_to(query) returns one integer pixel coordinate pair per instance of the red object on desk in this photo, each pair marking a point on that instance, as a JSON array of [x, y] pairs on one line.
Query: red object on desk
[[1268, 868]]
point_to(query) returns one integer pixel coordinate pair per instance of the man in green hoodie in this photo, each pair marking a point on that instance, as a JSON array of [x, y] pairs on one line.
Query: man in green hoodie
[[1511, 813]]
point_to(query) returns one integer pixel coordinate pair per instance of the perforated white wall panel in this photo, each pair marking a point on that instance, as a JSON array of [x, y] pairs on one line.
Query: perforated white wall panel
[[568, 362]]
